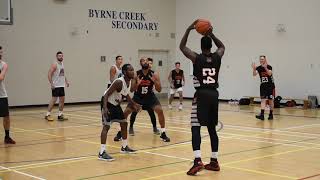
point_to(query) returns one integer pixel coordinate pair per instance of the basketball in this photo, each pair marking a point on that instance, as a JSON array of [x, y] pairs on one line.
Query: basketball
[[202, 26]]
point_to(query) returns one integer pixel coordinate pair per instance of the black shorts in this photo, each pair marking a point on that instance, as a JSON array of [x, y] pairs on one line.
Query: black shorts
[[147, 102], [267, 91], [4, 107], [58, 92], [115, 114], [207, 103]]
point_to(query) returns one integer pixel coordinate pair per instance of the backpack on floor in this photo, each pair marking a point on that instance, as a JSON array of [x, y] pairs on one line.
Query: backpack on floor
[[244, 101]]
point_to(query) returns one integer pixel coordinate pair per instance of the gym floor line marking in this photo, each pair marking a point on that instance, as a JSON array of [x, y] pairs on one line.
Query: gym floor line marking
[[173, 146], [54, 135], [235, 162], [59, 163], [22, 173], [184, 160], [223, 133], [225, 125], [260, 133], [308, 177]]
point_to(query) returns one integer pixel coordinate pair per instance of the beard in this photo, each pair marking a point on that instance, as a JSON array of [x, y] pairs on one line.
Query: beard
[[145, 66]]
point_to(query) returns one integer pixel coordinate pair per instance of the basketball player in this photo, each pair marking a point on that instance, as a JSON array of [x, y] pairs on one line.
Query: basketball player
[[267, 87], [4, 106], [115, 72], [112, 112], [176, 80], [143, 86], [58, 82], [149, 110], [206, 68]]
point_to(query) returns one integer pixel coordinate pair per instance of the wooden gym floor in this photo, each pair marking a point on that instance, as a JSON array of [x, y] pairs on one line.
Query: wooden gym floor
[[286, 148]]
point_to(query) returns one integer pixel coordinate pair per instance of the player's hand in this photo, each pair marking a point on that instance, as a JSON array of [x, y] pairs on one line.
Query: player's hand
[[137, 107], [67, 84], [209, 31], [52, 86], [119, 101], [192, 26], [171, 85], [253, 65], [155, 77]]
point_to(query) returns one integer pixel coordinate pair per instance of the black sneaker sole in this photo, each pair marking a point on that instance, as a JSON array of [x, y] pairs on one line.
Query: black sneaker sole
[[128, 152], [262, 119]]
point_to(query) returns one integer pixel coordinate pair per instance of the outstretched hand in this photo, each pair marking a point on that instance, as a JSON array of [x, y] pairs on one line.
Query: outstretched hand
[[253, 65], [192, 26], [209, 31]]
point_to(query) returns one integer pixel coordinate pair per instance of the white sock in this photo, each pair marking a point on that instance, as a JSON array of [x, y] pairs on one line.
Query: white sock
[[162, 130], [197, 153], [60, 113], [102, 148], [214, 155], [124, 143], [48, 113]]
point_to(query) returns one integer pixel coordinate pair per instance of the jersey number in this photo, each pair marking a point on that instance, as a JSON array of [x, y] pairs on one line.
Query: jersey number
[[144, 90], [207, 74]]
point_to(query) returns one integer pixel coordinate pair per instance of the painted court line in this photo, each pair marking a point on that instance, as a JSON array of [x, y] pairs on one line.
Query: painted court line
[[244, 160], [117, 147], [22, 173], [178, 129], [239, 127]]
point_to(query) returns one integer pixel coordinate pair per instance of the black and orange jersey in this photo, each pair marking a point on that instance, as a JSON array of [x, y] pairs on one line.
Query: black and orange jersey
[[264, 77], [206, 69], [146, 85]]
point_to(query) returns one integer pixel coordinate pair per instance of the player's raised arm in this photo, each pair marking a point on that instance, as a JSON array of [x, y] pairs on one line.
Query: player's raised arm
[[185, 50]]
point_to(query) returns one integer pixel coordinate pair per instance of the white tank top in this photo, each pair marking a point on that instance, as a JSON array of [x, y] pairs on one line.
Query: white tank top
[[116, 96], [118, 73], [58, 77], [3, 92]]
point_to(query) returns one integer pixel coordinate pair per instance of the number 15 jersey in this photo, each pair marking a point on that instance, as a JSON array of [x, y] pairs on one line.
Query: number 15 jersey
[[146, 85], [206, 70]]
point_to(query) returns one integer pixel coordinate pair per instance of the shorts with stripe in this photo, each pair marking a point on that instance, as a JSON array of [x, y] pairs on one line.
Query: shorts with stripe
[[194, 117], [205, 108]]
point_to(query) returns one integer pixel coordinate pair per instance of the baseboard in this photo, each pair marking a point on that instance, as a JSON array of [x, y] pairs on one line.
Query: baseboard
[[163, 95], [46, 105]]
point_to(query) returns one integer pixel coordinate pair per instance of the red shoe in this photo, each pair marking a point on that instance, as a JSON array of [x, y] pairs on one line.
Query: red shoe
[[213, 165], [197, 167], [8, 140]]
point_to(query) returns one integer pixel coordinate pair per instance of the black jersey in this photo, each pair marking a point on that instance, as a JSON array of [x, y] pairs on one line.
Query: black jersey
[[177, 78], [206, 70], [265, 79], [146, 85]]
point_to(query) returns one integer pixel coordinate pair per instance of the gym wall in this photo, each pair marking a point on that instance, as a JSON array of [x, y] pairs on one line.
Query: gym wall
[[250, 28], [43, 27]]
